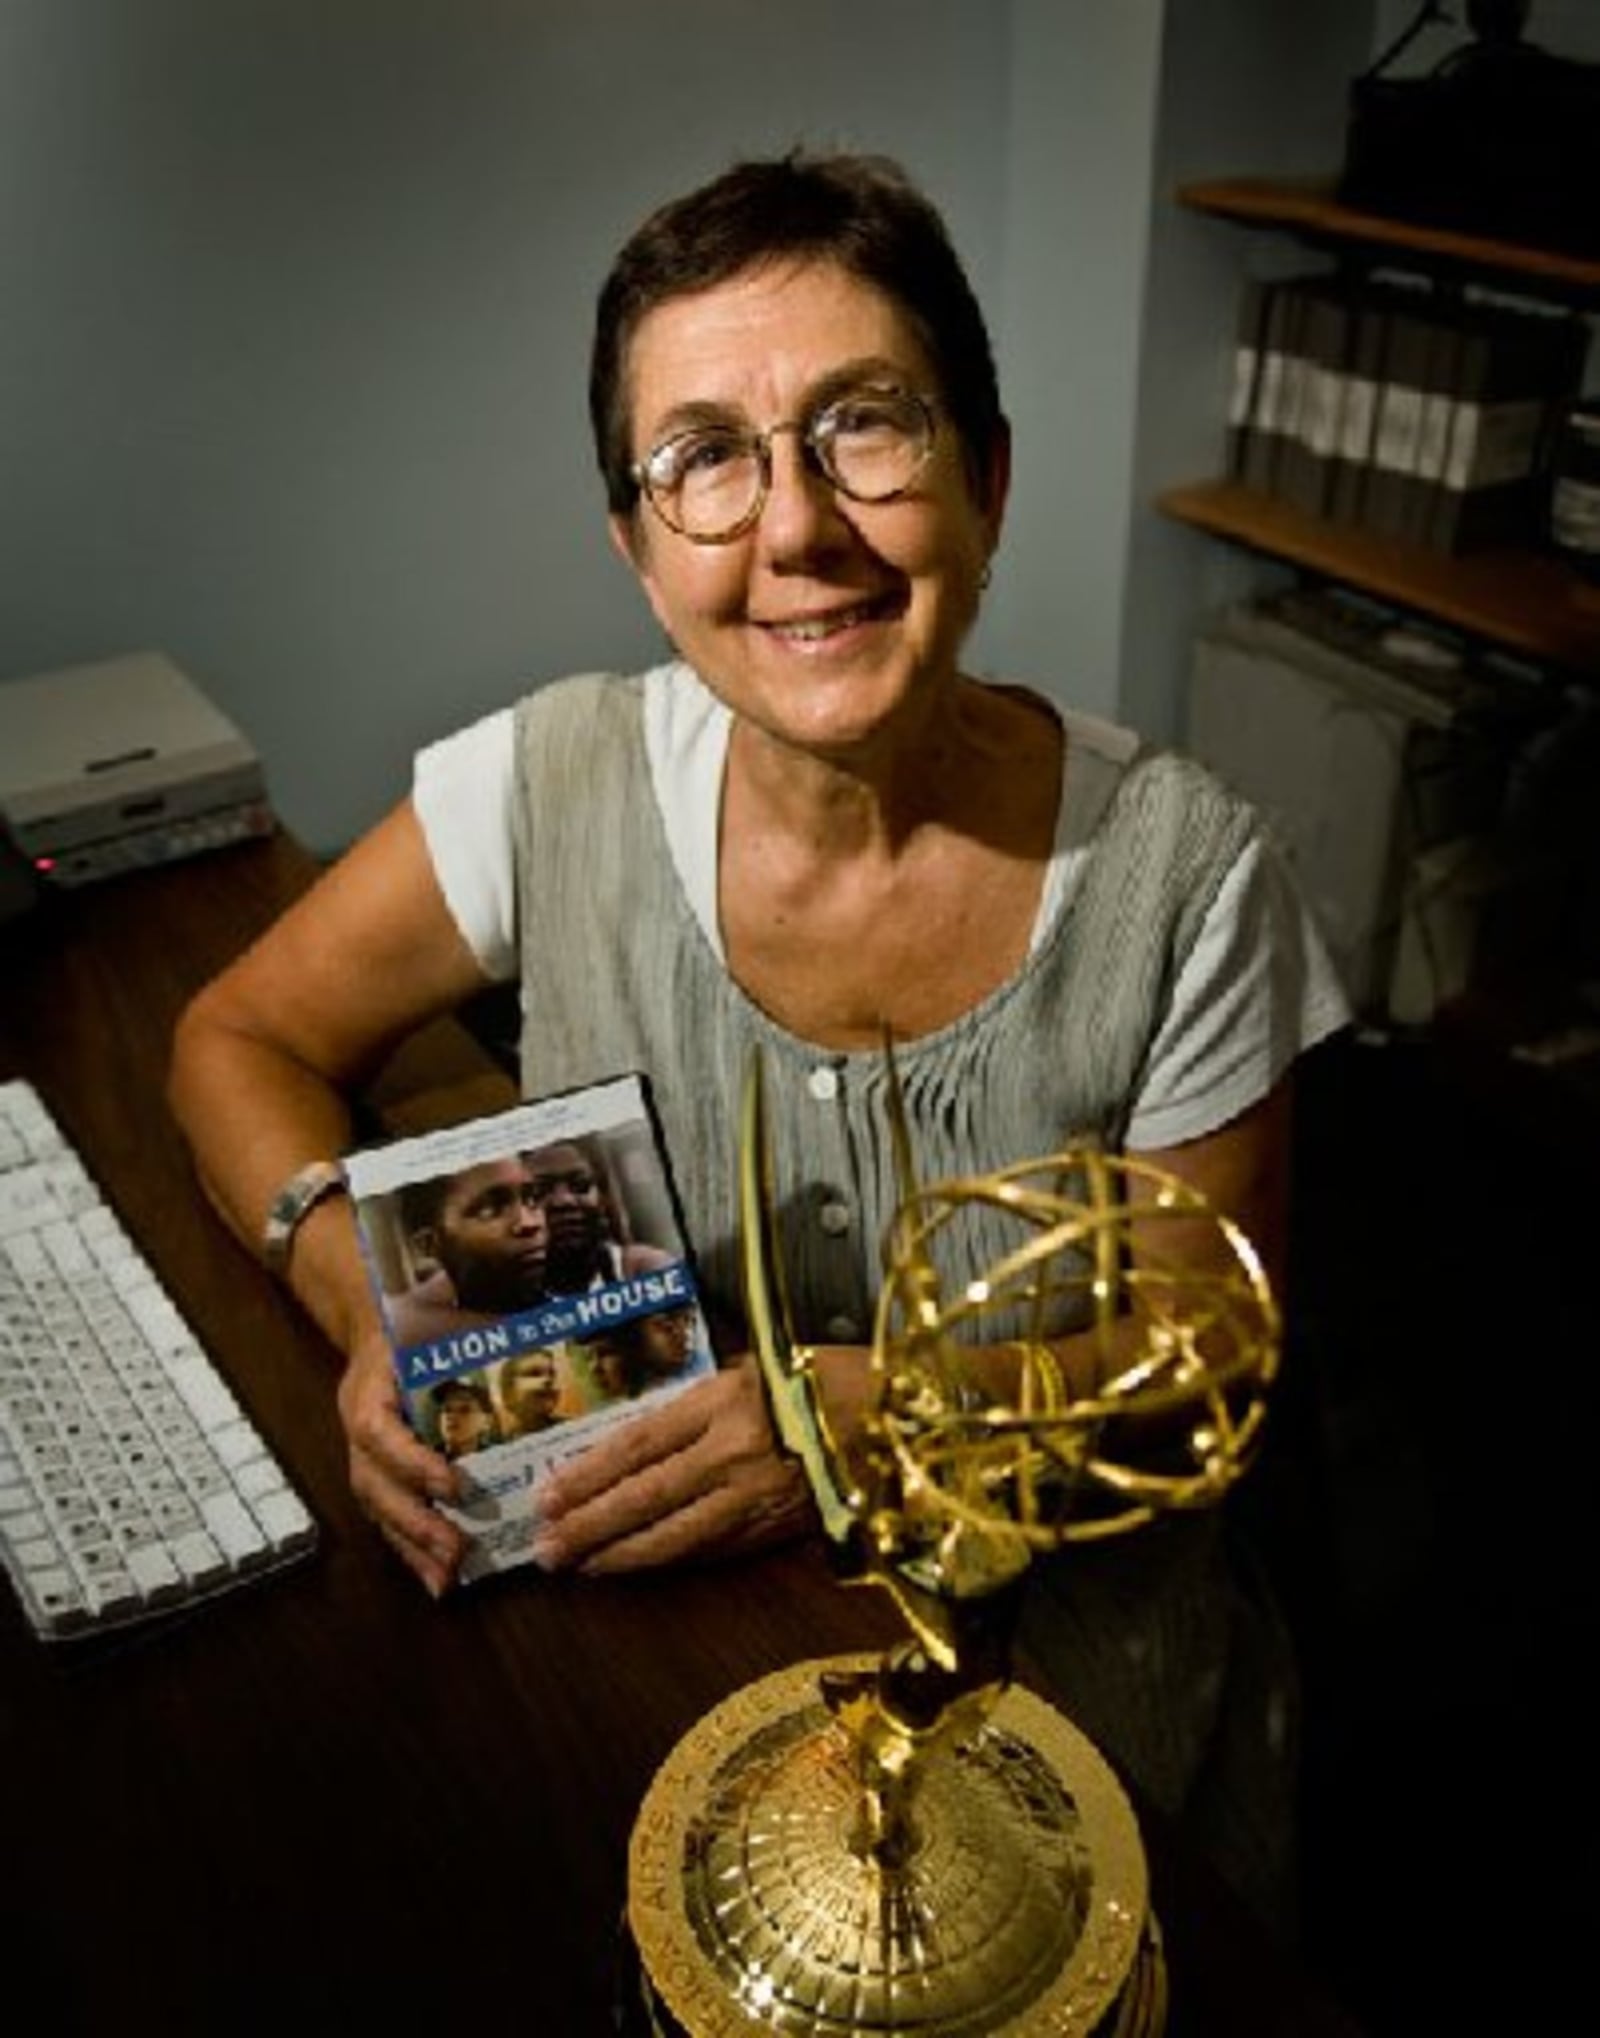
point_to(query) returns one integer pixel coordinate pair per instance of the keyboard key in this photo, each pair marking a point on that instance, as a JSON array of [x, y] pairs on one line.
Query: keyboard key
[[236, 1444], [27, 1202], [209, 1400], [198, 1558], [256, 1478], [154, 1573], [284, 1517], [62, 1608], [235, 1528]]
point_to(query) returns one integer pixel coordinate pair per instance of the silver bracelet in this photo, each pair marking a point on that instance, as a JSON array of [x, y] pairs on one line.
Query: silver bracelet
[[294, 1202]]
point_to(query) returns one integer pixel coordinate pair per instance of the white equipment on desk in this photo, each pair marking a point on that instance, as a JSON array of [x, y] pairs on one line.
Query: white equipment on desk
[[108, 767]]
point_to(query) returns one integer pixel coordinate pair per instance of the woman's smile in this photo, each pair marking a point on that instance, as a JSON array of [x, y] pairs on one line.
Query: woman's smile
[[822, 625]]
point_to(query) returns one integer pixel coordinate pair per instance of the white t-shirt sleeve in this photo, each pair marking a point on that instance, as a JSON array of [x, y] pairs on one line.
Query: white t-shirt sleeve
[[462, 790], [1257, 989]]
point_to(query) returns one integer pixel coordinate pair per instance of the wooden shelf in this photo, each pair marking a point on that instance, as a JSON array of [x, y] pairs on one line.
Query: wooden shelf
[[1524, 601], [1311, 211]]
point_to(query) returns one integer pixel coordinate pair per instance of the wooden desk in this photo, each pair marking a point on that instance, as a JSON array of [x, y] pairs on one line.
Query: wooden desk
[[326, 1805]]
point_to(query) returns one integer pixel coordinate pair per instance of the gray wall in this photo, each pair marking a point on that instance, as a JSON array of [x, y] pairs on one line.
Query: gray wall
[[1252, 88], [297, 296], [297, 293]]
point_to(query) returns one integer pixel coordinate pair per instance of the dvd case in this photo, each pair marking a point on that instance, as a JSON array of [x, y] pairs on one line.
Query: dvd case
[[537, 1288]]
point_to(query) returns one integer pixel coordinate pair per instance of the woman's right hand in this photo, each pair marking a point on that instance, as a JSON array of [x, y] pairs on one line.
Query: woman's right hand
[[395, 1477]]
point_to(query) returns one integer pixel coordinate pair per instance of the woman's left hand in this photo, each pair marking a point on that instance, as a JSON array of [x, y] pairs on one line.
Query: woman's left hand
[[700, 1475]]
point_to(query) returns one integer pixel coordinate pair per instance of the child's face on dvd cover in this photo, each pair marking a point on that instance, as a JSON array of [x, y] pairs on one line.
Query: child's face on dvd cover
[[644, 1352], [575, 1205], [491, 1237], [530, 1392], [464, 1417]]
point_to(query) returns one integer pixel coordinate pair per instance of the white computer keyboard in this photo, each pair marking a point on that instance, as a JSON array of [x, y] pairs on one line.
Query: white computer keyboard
[[131, 1482]]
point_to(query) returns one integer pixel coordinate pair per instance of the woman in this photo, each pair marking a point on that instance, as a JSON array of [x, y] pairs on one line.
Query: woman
[[808, 826]]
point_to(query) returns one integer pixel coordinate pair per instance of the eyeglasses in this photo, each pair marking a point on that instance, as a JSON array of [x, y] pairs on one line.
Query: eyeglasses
[[709, 483]]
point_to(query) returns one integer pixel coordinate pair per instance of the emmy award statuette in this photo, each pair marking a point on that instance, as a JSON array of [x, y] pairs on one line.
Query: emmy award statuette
[[915, 1844]]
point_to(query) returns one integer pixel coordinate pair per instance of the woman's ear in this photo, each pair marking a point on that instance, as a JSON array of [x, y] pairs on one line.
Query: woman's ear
[[626, 540], [632, 547], [997, 481]]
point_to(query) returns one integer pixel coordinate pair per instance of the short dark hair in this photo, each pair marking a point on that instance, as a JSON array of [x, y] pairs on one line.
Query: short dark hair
[[861, 213], [591, 1149], [453, 1389], [420, 1203]]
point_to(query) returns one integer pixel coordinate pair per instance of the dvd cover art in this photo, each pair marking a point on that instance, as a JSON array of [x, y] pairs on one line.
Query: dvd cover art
[[537, 1288]]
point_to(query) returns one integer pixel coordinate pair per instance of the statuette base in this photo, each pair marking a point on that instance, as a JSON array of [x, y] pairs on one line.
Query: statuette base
[[1019, 1910]]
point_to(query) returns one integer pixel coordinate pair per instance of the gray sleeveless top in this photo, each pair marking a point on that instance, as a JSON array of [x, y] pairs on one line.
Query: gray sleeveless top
[[617, 975]]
